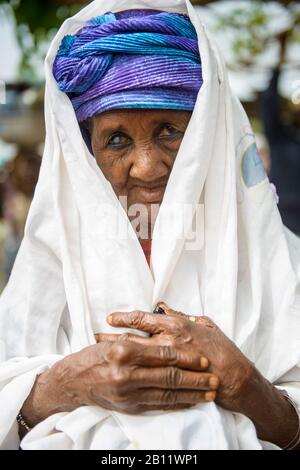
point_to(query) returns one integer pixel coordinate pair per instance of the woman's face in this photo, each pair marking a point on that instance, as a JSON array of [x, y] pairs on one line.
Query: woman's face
[[136, 150]]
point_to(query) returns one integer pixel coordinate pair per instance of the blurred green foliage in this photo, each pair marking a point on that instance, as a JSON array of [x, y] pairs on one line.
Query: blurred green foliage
[[250, 26], [36, 23], [41, 15]]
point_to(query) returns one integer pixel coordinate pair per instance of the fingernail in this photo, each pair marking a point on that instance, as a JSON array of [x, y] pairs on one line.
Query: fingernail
[[203, 362], [210, 396], [214, 382]]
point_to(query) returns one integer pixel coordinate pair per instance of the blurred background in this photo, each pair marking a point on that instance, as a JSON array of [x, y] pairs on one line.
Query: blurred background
[[260, 41]]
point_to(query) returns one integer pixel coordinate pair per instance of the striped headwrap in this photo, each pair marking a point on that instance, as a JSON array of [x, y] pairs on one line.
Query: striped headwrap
[[131, 59]]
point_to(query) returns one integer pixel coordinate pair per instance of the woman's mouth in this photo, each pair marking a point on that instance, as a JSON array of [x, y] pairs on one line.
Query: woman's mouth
[[148, 195]]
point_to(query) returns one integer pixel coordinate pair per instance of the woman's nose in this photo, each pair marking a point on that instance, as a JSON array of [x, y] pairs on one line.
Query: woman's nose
[[148, 164]]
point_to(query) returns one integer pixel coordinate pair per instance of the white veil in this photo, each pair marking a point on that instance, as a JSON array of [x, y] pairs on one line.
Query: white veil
[[68, 275]]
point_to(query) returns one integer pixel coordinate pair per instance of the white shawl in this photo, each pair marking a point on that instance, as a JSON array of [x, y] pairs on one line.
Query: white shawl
[[244, 273]]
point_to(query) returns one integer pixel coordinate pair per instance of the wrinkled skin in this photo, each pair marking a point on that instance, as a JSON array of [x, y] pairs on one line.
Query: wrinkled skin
[[136, 151], [125, 377], [201, 336]]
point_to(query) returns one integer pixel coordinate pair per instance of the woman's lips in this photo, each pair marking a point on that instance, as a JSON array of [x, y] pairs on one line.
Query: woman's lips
[[146, 195]]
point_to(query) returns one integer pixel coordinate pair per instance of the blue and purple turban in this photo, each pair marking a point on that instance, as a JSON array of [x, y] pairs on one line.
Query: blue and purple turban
[[131, 59]]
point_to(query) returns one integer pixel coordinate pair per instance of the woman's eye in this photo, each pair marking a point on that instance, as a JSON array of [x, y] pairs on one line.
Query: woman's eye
[[117, 140], [169, 131]]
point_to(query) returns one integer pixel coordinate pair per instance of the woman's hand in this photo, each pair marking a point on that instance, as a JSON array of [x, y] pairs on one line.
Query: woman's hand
[[242, 388], [122, 377], [202, 336]]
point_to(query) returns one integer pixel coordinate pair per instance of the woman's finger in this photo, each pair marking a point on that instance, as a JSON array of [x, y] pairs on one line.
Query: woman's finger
[[105, 337], [113, 338], [164, 356], [129, 353], [144, 321], [176, 313], [171, 398], [172, 378]]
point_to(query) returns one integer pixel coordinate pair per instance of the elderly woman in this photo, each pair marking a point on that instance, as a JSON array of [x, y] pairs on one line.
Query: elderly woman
[[147, 150]]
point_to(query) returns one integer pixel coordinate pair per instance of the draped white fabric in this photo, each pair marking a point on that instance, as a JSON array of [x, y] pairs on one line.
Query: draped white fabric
[[69, 274]]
